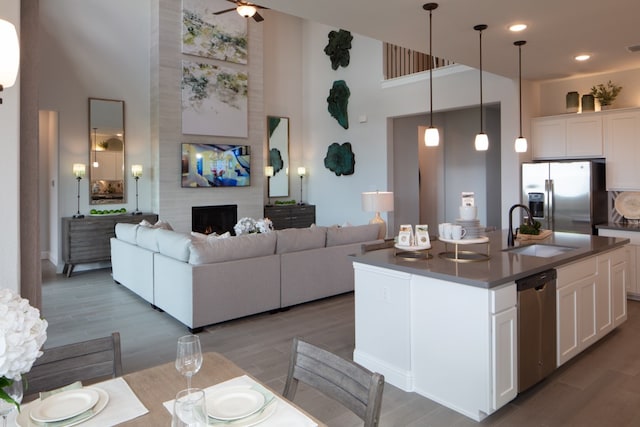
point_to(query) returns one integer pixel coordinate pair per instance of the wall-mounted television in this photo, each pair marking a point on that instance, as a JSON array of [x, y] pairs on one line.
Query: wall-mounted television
[[215, 165]]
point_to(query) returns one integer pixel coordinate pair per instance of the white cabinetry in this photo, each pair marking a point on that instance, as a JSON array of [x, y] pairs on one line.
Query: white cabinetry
[[632, 256], [452, 343], [621, 136], [576, 136], [590, 301]]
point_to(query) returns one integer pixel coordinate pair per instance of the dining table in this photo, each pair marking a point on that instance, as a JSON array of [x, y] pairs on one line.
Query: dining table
[[159, 384]]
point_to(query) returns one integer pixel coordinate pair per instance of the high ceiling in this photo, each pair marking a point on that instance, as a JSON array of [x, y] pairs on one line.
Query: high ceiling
[[557, 31]]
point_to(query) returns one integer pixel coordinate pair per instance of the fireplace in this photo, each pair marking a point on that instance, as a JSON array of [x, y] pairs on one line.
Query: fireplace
[[214, 219]]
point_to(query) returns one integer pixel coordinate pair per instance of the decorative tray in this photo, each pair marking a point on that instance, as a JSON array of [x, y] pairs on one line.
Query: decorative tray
[[413, 247], [484, 239]]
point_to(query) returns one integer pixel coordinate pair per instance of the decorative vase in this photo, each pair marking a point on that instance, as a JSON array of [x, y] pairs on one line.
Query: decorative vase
[[588, 103], [573, 102]]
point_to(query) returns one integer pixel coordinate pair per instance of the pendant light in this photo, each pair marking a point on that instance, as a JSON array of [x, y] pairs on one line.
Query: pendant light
[[482, 141], [521, 141], [431, 135]]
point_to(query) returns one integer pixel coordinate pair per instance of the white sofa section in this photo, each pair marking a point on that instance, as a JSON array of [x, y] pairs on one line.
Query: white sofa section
[[205, 280]]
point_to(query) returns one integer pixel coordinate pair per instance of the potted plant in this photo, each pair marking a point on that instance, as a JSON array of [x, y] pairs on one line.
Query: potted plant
[[606, 94]]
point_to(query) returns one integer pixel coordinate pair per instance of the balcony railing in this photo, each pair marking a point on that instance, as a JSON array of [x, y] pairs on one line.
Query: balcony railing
[[400, 61]]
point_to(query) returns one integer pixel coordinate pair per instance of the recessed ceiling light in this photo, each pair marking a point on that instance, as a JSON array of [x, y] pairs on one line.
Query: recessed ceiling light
[[518, 27], [582, 57]]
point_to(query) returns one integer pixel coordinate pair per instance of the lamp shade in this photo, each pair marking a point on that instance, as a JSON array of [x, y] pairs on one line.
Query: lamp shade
[[521, 145], [482, 142], [79, 170], [136, 171], [377, 201], [431, 137], [246, 10], [302, 171], [268, 171], [9, 53]]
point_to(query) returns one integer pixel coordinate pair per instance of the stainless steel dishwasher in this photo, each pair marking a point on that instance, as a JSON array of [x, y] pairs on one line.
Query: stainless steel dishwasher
[[536, 328]]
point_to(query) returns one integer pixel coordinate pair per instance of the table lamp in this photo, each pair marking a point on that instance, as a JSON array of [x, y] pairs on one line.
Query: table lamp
[[79, 171], [136, 172], [378, 201], [302, 171], [268, 172]]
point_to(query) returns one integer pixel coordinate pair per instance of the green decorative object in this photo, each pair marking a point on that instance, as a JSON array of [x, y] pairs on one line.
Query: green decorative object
[[273, 123], [338, 48], [340, 159], [338, 100], [275, 160], [606, 94]]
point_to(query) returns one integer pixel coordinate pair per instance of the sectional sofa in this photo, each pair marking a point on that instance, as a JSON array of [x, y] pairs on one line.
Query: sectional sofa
[[202, 280]]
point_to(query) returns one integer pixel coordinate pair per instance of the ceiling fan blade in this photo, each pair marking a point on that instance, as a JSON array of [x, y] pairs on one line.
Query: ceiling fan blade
[[257, 17], [224, 11]]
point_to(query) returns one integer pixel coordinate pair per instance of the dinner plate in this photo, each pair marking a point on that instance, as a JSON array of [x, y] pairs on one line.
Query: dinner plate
[[23, 419], [64, 405], [233, 403], [628, 204], [252, 420]]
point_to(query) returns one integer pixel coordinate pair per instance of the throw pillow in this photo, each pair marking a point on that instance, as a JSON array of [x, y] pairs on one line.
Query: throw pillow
[[160, 224]]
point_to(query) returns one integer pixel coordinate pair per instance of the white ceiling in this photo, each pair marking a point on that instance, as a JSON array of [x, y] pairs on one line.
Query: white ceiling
[[557, 31]]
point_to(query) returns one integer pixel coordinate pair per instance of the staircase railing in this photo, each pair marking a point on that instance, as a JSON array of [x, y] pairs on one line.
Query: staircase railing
[[400, 61]]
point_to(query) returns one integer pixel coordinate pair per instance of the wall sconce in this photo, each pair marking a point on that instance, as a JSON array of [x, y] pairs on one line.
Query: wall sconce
[[482, 140], [378, 201], [268, 172], [302, 171], [136, 173], [9, 55], [79, 171]]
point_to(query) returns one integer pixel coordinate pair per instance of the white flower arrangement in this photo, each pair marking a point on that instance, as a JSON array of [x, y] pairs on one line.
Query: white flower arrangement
[[22, 333], [249, 225]]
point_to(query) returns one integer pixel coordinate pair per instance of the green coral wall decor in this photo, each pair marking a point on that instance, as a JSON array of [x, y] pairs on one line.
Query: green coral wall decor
[[337, 101], [275, 160], [340, 159], [338, 48]]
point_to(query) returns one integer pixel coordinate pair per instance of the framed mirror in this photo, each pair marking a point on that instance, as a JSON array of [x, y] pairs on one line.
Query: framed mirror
[[278, 156], [106, 151]]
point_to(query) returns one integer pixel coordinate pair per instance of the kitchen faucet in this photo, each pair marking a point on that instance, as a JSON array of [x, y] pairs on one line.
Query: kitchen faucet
[[511, 235]]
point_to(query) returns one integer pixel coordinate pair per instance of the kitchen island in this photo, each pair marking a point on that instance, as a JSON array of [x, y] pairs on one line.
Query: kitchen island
[[448, 329]]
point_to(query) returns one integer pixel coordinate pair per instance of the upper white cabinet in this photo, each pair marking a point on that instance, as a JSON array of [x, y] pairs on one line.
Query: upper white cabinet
[[575, 136], [622, 149]]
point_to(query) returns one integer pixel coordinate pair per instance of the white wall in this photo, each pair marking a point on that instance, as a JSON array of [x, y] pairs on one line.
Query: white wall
[[9, 172], [100, 49]]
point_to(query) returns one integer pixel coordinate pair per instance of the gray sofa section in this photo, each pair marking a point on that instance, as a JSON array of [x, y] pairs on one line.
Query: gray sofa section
[[206, 280]]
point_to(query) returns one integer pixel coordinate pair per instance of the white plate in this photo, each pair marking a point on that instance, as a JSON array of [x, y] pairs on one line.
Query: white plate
[[23, 419], [64, 405], [251, 420], [233, 403], [628, 204]]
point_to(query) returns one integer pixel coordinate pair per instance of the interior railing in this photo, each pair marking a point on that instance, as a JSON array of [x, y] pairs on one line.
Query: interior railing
[[400, 61]]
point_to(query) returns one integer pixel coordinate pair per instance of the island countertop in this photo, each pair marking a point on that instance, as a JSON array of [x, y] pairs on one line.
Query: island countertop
[[501, 267]]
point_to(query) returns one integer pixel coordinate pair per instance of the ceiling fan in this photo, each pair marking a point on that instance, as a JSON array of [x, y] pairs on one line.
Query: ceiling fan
[[245, 9]]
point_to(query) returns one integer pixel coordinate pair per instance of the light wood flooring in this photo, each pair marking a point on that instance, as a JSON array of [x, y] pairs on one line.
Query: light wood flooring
[[601, 387]]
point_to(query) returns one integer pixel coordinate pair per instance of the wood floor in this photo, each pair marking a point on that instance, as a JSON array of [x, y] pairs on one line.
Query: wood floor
[[601, 387]]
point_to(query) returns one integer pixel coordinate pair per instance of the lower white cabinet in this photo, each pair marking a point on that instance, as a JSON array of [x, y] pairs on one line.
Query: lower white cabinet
[[504, 338], [590, 300], [632, 278]]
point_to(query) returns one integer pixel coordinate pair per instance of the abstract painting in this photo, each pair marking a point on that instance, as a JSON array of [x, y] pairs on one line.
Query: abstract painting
[[214, 100], [222, 37]]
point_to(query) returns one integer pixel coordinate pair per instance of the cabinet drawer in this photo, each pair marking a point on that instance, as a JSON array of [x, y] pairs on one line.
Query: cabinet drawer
[[568, 274]]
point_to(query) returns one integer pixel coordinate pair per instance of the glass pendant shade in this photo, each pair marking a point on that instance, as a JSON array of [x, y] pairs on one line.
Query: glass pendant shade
[[521, 145], [246, 11], [521, 141], [10, 57], [482, 142], [431, 137]]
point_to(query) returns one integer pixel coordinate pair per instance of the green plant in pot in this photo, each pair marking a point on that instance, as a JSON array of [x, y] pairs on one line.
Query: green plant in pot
[[606, 94]]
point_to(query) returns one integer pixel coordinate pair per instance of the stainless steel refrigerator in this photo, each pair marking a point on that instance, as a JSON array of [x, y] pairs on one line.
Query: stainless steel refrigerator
[[566, 195]]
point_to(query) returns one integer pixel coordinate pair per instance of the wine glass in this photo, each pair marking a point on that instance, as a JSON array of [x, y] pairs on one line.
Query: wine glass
[[189, 356], [189, 409], [15, 392]]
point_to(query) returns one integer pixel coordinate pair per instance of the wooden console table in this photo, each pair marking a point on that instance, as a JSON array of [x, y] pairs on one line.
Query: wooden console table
[[290, 216], [88, 239]]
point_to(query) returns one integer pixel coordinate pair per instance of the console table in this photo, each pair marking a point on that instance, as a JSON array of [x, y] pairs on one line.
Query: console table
[[290, 216], [87, 239]]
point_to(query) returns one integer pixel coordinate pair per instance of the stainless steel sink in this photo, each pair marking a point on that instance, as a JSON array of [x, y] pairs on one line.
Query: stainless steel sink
[[540, 250]]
